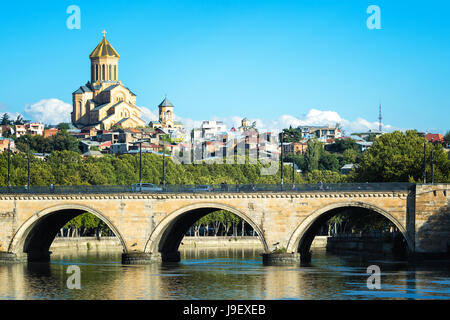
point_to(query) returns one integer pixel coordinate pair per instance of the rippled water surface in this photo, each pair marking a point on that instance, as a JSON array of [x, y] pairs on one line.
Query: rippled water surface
[[222, 274]]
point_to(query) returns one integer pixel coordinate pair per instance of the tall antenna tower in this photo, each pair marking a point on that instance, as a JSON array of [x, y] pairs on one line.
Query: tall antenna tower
[[380, 126]]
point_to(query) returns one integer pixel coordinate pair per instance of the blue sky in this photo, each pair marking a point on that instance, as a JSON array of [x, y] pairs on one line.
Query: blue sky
[[278, 62]]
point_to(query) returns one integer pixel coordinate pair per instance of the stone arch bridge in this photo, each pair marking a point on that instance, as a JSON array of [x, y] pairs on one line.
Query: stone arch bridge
[[150, 226]]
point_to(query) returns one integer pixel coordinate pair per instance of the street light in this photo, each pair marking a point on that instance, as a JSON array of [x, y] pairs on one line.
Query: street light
[[293, 173], [28, 156], [424, 162], [140, 160], [9, 164], [164, 162], [432, 161], [282, 140]]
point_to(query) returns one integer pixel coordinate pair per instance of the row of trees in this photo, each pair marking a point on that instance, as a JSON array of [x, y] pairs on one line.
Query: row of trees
[[317, 158], [394, 157], [399, 157], [39, 144], [218, 223], [6, 120], [70, 168], [357, 220], [85, 225], [221, 223]]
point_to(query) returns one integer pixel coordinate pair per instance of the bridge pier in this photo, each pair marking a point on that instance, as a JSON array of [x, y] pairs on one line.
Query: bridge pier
[[8, 257], [139, 258], [170, 256], [275, 259], [35, 256], [38, 256]]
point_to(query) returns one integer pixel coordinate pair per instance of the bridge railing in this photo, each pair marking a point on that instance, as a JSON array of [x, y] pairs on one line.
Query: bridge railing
[[231, 188]]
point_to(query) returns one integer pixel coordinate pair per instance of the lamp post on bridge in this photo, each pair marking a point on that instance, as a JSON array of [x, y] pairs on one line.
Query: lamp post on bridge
[[139, 142], [432, 161], [425, 162], [164, 160], [293, 173], [9, 164], [282, 153], [28, 157]]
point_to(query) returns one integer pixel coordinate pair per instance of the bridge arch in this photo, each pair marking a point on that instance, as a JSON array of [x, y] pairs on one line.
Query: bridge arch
[[302, 237], [167, 235], [37, 233]]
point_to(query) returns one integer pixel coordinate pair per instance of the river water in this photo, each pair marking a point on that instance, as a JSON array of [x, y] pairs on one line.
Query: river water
[[222, 274]]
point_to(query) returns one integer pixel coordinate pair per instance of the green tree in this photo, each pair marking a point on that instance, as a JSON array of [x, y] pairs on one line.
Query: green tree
[[5, 120], [324, 176], [340, 145], [64, 141], [19, 120], [398, 157], [329, 161], [312, 154], [447, 138], [291, 135], [63, 126], [349, 156]]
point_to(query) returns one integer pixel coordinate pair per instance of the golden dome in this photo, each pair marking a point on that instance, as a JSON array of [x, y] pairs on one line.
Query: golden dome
[[104, 49]]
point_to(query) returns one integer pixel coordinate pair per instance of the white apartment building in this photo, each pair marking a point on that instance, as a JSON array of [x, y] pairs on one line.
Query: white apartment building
[[208, 129], [320, 132], [33, 128]]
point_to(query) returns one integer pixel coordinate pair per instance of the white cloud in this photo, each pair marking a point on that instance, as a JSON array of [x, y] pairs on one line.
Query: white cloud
[[314, 117], [147, 115], [54, 111], [49, 111]]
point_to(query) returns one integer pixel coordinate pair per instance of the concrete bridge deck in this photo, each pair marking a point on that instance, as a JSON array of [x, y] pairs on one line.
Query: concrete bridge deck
[[150, 226]]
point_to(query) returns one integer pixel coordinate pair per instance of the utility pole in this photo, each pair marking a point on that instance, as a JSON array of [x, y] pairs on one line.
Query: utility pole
[[140, 161], [140, 164], [380, 126], [164, 167], [424, 162], [28, 153], [9, 164], [293, 174], [282, 136], [432, 165]]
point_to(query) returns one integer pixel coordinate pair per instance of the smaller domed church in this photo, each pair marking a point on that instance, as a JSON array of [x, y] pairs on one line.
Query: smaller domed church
[[104, 101]]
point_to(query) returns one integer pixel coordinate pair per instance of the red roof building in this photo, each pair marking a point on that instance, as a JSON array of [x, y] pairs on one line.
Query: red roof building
[[435, 138], [50, 132]]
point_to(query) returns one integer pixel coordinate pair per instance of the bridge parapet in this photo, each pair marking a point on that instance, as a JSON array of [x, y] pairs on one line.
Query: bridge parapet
[[200, 189]]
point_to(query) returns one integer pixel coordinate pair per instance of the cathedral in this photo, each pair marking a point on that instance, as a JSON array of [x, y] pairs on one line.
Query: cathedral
[[104, 101]]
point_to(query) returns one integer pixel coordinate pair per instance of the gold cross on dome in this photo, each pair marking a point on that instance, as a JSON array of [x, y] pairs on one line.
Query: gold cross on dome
[[104, 33]]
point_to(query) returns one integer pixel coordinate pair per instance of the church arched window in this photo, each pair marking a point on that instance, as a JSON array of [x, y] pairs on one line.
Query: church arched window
[[115, 72], [103, 72], [96, 72], [109, 74]]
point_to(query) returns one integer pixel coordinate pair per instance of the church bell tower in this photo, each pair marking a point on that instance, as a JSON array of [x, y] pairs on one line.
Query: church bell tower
[[104, 62]]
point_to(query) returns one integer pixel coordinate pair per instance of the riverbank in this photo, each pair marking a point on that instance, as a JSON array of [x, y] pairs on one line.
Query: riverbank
[[86, 243], [113, 243]]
